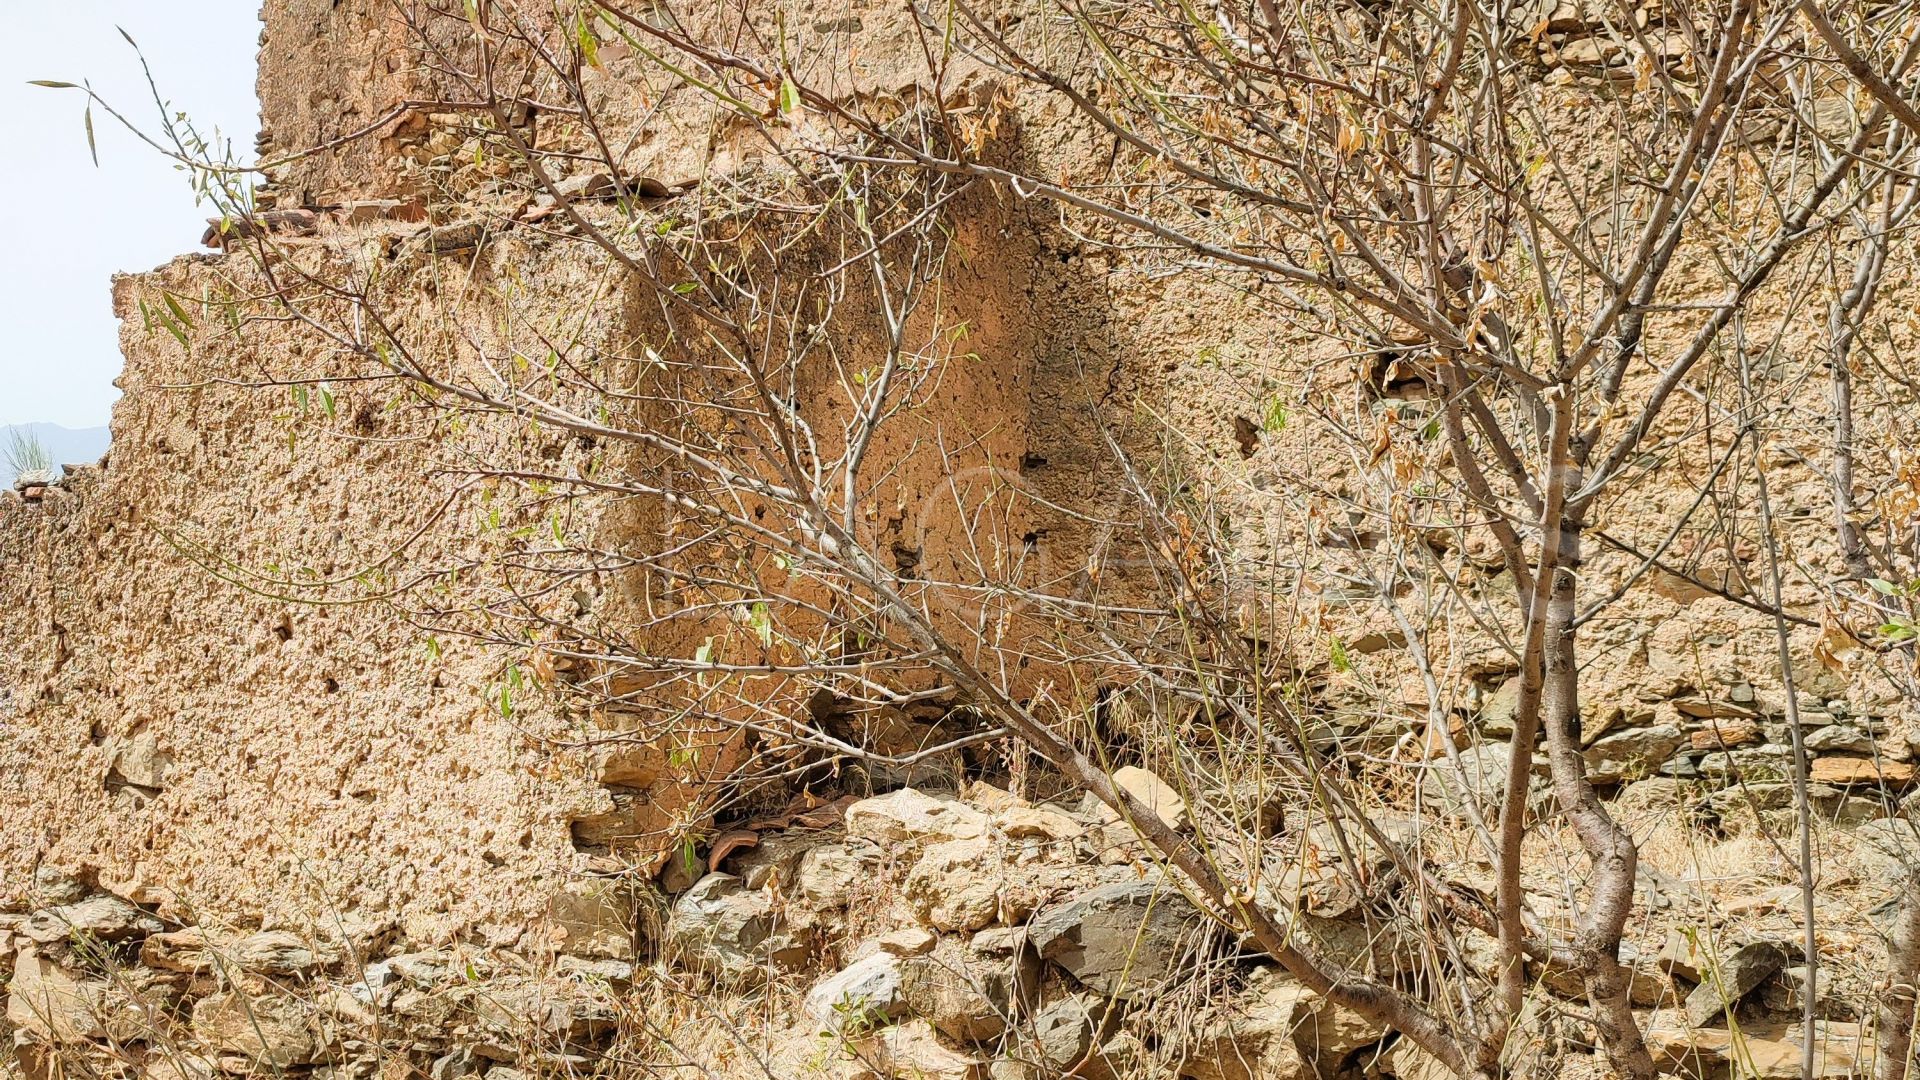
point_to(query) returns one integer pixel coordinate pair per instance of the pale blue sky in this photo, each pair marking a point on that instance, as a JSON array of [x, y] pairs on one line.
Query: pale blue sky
[[68, 226]]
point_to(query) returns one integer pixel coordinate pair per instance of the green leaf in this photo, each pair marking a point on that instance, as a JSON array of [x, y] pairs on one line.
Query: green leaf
[[789, 96], [1338, 652], [1883, 586], [506, 703], [588, 41], [87, 118], [326, 400], [174, 329], [1276, 419], [52, 84], [686, 287], [178, 312], [762, 621], [1894, 631]]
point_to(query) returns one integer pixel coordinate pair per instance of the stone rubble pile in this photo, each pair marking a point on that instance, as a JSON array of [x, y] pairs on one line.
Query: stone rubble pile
[[1016, 945], [101, 981], [981, 937]]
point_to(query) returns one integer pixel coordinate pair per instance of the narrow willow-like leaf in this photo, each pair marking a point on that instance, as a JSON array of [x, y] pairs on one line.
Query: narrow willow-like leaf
[[178, 311], [589, 42]]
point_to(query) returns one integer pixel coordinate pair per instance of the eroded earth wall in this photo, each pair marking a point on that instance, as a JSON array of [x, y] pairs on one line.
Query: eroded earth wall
[[197, 719], [176, 722]]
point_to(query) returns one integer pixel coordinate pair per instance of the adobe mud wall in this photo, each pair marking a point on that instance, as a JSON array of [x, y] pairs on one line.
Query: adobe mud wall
[[198, 735], [198, 720]]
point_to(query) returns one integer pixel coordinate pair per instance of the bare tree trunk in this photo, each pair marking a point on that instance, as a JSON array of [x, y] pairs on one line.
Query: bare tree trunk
[[1615, 859], [1897, 998], [1596, 941], [1802, 801], [1844, 326], [1851, 547]]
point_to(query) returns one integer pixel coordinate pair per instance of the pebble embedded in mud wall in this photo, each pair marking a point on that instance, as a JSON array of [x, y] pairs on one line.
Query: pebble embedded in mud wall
[[975, 937]]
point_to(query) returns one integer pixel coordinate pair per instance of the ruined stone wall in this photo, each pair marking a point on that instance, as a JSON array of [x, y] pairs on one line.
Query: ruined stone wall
[[207, 742], [183, 721], [222, 705]]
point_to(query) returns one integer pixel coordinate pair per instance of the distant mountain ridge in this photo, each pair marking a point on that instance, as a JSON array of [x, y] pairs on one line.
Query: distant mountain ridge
[[66, 446]]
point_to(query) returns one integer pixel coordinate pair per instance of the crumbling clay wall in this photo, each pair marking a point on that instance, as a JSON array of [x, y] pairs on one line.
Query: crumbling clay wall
[[225, 701], [179, 720]]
